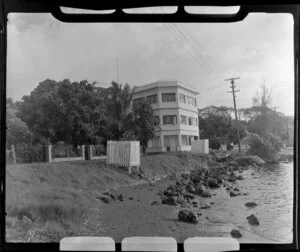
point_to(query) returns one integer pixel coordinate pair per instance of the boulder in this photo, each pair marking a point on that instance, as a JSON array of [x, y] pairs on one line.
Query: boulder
[[171, 191], [120, 197], [188, 196], [231, 179], [190, 189], [169, 200], [250, 204], [232, 194], [205, 207], [252, 220], [155, 203], [213, 183], [187, 216], [236, 189], [185, 175], [206, 194], [236, 233], [180, 199], [240, 177], [104, 199], [199, 189], [130, 198]]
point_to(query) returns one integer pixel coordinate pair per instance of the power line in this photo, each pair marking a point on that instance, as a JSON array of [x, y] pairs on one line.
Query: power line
[[197, 52], [193, 38], [180, 40], [188, 39], [183, 40], [233, 91]]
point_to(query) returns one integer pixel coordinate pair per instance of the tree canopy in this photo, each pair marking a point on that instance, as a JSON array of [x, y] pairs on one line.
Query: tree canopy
[[64, 111]]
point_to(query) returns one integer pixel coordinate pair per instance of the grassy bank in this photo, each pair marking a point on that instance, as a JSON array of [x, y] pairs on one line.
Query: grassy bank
[[46, 201]]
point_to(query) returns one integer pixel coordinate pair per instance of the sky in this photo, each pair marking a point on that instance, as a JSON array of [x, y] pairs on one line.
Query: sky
[[258, 49]]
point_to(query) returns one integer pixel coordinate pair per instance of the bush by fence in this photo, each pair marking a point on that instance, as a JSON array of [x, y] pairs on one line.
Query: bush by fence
[[27, 153]]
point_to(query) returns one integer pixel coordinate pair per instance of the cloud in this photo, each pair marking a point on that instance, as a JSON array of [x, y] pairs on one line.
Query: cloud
[[41, 47]]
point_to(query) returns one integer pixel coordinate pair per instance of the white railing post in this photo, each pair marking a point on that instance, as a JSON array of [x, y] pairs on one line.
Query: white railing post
[[13, 154], [82, 152], [48, 150]]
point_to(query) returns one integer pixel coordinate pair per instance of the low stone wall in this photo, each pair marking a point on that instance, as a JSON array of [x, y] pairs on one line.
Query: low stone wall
[[156, 149], [184, 148]]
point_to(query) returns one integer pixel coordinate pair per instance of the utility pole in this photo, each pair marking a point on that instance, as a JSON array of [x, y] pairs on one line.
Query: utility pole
[[117, 70], [234, 103]]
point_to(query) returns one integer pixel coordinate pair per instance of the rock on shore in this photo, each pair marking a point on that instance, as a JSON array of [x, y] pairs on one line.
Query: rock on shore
[[187, 216], [252, 220], [251, 204], [236, 233]]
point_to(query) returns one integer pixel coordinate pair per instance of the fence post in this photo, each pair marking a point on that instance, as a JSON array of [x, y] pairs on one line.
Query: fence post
[[82, 154], [13, 154], [48, 150], [89, 152]]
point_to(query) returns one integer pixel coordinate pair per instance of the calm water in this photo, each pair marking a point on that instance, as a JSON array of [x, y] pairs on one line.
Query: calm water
[[272, 189]]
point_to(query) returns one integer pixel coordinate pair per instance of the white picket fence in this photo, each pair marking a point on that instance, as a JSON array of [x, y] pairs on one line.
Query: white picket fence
[[123, 153]]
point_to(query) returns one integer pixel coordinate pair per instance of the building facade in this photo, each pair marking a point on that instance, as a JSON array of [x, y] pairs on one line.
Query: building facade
[[175, 114]]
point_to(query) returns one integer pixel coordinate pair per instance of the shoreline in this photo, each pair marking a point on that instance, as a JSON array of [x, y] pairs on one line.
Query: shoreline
[[141, 212], [137, 217]]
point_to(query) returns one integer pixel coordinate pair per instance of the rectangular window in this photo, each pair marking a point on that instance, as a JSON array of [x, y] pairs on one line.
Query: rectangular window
[[152, 99], [168, 97], [192, 121], [181, 98], [156, 120], [170, 119], [191, 101], [183, 119]]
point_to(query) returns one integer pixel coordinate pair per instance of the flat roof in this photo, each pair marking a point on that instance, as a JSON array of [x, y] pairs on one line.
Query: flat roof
[[166, 83]]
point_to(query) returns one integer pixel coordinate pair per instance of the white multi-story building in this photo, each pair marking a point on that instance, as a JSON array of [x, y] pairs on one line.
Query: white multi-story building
[[176, 114]]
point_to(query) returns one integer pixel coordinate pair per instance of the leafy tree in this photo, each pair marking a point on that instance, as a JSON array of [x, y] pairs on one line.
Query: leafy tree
[[263, 121], [118, 103], [216, 124], [17, 130], [65, 111], [139, 123], [266, 146], [263, 97]]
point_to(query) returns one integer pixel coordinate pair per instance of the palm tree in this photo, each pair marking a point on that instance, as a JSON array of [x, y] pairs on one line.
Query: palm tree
[[118, 102]]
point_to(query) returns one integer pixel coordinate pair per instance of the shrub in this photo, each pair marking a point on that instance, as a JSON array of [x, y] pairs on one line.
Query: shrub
[[274, 141], [261, 147], [27, 153], [214, 143]]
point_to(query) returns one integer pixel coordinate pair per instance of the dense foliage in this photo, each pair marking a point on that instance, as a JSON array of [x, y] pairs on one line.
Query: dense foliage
[[64, 111], [265, 146], [75, 113], [139, 123], [217, 125]]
